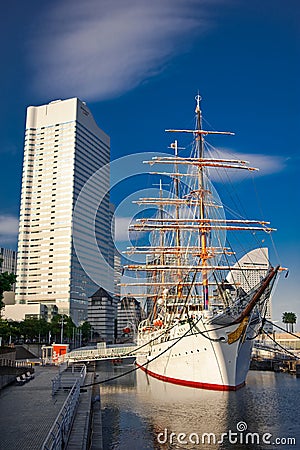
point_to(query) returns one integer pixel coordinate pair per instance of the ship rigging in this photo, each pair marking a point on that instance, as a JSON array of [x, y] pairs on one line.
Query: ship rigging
[[185, 276]]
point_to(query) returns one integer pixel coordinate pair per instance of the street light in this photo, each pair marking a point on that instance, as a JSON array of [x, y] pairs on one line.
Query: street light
[[62, 329]]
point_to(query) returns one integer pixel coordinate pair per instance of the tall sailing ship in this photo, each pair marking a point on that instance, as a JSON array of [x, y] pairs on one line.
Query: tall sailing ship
[[202, 320]]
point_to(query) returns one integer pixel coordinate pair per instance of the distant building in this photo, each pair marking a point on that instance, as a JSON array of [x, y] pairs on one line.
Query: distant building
[[117, 275], [64, 149], [21, 312], [102, 311], [248, 278], [128, 317], [9, 264], [169, 260], [268, 349]]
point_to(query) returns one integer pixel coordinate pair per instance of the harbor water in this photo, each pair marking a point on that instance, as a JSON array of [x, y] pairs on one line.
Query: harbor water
[[142, 413]]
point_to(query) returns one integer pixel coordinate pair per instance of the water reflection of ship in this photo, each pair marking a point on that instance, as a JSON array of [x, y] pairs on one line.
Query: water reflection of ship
[[123, 362], [194, 410], [137, 408], [136, 411], [106, 370]]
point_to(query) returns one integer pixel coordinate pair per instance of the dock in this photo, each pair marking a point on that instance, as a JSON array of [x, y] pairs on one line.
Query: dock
[[27, 412], [291, 366], [33, 415]]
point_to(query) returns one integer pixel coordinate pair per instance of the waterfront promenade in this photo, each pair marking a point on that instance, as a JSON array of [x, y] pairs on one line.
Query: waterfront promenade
[[27, 412]]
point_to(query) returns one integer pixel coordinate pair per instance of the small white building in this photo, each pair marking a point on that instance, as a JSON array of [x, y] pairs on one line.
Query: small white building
[[19, 312]]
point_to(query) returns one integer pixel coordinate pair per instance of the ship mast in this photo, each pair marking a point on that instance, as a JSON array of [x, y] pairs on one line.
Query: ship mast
[[162, 244], [175, 255], [201, 195], [178, 240]]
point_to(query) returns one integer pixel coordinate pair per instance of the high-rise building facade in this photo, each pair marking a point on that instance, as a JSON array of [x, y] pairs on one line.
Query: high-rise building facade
[[64, 148], [248, 278], [9, 260], [8, 264]]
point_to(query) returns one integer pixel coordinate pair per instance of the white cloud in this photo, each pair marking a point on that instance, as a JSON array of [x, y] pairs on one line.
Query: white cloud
[[99, 49], [8, 225], [121, 228], [267, 164]]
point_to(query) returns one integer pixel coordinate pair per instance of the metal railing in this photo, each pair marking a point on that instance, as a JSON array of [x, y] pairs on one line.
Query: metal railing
[[59, 434], [12, 363], [73, 373], [66, 378], [100, 353], [56, 384]]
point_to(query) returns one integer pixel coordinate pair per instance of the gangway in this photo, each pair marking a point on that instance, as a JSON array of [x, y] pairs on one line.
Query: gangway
[[101, 354]]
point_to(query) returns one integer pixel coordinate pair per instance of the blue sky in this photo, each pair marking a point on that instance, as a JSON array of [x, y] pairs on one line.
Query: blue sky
[[139, 65]]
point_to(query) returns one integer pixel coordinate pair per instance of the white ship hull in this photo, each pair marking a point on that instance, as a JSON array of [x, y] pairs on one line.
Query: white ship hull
[[200, 359]]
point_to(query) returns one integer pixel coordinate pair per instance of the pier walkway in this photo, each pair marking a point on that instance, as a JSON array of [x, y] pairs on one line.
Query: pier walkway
[[27, 412], [35, 415]]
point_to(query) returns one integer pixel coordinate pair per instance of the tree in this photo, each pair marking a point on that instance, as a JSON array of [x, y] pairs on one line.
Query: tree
[[34, 329], [289, 318], [61, 323], [4, 330], [6, 281], [86, 328], [9, 331]]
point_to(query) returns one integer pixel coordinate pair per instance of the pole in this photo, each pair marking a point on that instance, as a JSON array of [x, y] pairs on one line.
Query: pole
[[203, 237], [62, 330]]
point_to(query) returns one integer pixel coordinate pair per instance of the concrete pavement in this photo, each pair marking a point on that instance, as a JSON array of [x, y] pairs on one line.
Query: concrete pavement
[[27, 412]]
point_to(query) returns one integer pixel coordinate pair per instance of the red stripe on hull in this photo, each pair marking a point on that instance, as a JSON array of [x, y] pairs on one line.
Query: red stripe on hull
[[194, 384]]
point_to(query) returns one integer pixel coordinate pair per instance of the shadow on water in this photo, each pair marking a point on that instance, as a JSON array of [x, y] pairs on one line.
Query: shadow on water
[[140, 412]]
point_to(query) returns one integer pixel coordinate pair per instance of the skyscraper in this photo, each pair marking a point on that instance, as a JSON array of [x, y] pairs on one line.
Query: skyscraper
[[59, 241], [249, 278]]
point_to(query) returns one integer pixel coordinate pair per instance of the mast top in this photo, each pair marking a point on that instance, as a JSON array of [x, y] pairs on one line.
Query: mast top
[[198, 99], [174, 146]]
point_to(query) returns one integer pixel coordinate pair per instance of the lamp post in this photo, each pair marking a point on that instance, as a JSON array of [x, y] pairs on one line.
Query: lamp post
[[62, 329]]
